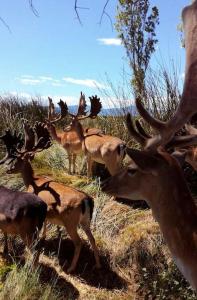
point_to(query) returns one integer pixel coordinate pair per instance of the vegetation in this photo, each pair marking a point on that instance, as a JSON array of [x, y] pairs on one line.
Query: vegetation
[[136, 265], [136, 27]]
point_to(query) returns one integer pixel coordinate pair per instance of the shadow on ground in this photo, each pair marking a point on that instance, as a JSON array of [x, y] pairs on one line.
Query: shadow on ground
[[102, 278]]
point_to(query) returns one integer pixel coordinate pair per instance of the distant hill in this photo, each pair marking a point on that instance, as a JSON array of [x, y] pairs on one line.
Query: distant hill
[[107, 111]]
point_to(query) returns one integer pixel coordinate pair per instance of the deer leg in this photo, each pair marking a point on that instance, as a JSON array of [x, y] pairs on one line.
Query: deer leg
[[69, 162], [74, 163], [44, 232], [87, 230], [5, 249], [72, 231], [33, 245], [89, 166]]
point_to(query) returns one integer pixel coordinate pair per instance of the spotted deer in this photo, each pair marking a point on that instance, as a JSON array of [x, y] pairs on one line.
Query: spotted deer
[[155, 175], [104, 149], [66, 206]]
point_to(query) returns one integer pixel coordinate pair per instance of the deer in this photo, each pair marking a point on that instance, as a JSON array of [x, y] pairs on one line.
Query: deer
[[188, 104], [98, 147], [184, 148], [66, 206], [21, 214], [156, 176], [68, 138]]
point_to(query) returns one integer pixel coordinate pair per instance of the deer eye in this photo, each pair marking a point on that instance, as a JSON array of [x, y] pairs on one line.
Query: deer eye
[[131, 171]]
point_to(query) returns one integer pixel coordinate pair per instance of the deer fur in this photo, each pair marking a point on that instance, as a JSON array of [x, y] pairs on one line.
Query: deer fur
[[21, 214], [66, 206]]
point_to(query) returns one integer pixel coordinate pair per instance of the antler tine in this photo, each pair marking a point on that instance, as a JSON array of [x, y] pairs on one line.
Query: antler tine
[[51, 109], [133, 132], [52, 118], [141, 130], [43, 137], [29, 136], [82, 106], [95, 108]]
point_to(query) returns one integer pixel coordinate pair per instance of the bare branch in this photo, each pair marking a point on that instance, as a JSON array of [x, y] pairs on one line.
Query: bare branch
[[34, 10], [77, 13], [106, 14], [5, 24]]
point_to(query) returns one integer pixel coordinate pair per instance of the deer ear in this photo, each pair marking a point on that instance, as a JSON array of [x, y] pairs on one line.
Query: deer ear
[[145, 161]]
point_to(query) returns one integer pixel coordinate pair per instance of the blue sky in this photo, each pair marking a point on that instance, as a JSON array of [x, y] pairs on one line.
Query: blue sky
[[53, 55]]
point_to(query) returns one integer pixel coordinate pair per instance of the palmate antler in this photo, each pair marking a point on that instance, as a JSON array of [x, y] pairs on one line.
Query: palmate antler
[[11, 141], [188, 103], [95, 108], [52, 117], [37, 138]]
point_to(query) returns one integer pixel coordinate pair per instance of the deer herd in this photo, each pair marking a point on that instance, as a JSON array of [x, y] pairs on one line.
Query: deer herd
[[154, 172]]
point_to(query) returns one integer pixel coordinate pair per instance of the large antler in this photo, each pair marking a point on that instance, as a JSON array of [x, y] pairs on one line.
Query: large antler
[[37, 138], [143, 138], [95, 108], [52, 117], [11, 141], [188, 103]]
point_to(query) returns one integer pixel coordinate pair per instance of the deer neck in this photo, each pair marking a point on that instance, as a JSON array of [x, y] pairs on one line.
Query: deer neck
[[54, 135], [176, 213], [27, 174], [77, 127]]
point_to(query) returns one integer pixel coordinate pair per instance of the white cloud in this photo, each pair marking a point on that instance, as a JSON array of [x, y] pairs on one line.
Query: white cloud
[[46, 78], [85, 82], [28, 81], [109, 41]]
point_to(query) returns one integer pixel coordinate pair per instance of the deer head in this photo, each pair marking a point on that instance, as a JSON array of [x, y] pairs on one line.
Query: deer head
[[37, 138], [95, 107]]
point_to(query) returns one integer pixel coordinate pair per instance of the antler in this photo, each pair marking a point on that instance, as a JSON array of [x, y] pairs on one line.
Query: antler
[[52, 117], [43, 137], [82, 106], [95, 108], [143, 137], [11, 141], [188, 103]]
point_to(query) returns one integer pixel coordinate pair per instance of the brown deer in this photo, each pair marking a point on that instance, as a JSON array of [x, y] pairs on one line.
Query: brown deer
[[184, 148], [188, 104], [68, 138], [66, 206], [104, 149], [21, 213], [155, 175]]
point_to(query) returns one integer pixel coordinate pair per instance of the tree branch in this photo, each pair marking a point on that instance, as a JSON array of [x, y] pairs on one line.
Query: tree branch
[[33, 9], [105, 13], [5, 24]]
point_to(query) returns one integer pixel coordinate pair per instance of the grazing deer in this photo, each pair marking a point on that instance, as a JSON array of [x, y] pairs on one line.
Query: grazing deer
[[66, 206], [156, 176], [104, 149], [68, 138], [21, 214]]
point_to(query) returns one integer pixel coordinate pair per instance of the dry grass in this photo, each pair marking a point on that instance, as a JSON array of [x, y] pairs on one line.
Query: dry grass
[[135, 260]]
